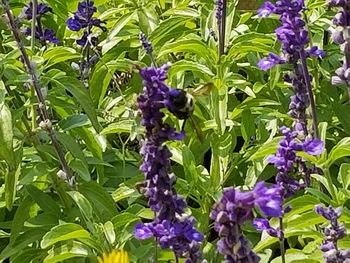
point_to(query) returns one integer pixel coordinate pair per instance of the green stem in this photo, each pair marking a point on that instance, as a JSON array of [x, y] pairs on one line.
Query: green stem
[[282, 248]]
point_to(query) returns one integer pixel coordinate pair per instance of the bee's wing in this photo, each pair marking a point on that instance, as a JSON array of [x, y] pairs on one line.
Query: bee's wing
[[203, 90]]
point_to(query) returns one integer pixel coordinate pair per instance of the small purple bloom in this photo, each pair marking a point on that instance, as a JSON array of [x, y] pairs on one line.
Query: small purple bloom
[[316, 52], [313, 146], [42, 9], [83, 19], [270, 62], [262, 224], [266, 9]]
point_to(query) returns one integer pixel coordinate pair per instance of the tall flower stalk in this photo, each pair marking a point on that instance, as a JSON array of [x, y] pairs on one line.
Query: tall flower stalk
[[334, 232], [293, 36], [233, 210], [341, 36], [172, 228], [220, 15]]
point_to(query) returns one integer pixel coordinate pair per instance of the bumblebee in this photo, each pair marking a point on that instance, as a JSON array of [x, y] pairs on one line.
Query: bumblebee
[[182, 103]]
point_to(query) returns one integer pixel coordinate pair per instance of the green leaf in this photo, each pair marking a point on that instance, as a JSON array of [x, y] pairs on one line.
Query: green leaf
[[6, 136], [21, 215], [11, 179], [81, 169], [248, 125], [103, 74], [74, 121], [344, 175], [56, 55], [266, 149], [101, 201], [67, 252], [76, 88], [23, 241], [109, 232], [83, 204], [340, 150], [45, 202], [189, 66], [64, 232], [190, 45]]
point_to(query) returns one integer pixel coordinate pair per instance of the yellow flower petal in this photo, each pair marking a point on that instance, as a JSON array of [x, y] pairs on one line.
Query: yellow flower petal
[[120, 256]]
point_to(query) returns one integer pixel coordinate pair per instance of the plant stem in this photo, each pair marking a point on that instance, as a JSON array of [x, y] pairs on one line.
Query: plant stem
[[32, 41], [310, 93], [282, 248], [35, 82], [222, 30]]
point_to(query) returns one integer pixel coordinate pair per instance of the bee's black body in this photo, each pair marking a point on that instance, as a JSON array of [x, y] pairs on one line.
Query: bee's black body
[[182, 104]]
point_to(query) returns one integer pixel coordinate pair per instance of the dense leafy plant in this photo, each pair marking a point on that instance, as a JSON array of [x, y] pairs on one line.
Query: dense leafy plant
[[103, 160]]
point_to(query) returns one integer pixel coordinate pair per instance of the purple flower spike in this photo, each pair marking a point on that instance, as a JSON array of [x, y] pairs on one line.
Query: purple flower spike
[[219, 10], [233, 210], [146, 44], [340, 36], [334, 232], [172, 228]]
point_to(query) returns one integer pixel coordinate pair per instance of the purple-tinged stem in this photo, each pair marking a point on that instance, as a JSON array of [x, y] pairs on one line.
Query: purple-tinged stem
[[34, 13], [37, 87], [222, 29], [309, 92]]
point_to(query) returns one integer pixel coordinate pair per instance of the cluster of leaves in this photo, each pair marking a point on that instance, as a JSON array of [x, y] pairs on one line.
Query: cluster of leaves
[[43, 218]]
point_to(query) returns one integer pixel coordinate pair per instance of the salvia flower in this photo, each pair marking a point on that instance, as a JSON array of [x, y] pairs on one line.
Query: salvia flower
[[341, 36], [293, 36], [42, 9], [83, 19], [233, 210], [42, 34], [288, 163], [334, 232], [172, 228]]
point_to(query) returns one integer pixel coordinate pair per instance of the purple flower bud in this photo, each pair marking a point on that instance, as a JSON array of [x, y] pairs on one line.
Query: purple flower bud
[[147, 45], [219, 10]]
